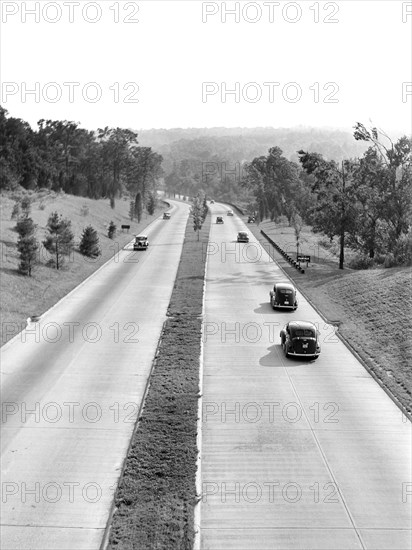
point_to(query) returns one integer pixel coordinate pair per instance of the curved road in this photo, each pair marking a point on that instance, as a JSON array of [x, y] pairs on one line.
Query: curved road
[[71, 388], [295, 454]]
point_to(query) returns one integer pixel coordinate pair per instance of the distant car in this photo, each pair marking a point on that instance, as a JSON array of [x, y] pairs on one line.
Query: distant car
[[140, 242], [251, 219], [300, 339], [242, 237], [167, 215], [219, 219], [212, 201], [284, 296], [229, 213]]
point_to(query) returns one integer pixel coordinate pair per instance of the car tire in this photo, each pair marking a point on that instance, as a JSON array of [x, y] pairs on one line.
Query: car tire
[[284, 350]]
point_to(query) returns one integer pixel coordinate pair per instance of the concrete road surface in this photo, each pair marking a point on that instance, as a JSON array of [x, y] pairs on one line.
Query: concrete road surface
[[295, 454], [71, 388]]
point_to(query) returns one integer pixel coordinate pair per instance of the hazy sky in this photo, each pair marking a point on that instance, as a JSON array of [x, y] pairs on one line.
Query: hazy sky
[[286, 63]]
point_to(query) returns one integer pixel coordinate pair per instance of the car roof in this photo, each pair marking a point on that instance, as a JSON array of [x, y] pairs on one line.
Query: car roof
[[141, 236], [285, 285], [301, 324], [242, 233]]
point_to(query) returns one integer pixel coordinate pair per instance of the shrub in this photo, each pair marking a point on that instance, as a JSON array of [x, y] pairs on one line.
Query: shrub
[[360, 261], [84, 210], [389, 260], [25, 205], [403, 249], [111, 232], [15, 213]]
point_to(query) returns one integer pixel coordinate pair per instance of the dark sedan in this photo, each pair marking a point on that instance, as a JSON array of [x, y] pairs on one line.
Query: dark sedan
[[283, 296], [242, 237], [300, 339]]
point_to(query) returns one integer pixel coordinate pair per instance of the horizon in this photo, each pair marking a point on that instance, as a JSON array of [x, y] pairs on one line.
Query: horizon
[[175, 64]]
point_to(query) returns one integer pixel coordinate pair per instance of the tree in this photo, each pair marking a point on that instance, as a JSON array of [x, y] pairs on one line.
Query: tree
[[205, 209], [138, 207], [25, 205], [60, 239], [132, 213], [111, 232], [143, 171], [335, 212], [27, 245], [297, 225], [388, 166], [151, 203], [89, 244], [274, 181], [117, 146], [197, 214]]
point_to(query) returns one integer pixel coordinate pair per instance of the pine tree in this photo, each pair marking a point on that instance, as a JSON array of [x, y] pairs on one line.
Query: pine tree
[[27, 245], [111, 232], [60, 240], [89, 244]]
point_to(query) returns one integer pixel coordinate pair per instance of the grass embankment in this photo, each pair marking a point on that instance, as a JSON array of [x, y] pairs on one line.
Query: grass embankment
[[22, 296], [157, 493], [371, 308]]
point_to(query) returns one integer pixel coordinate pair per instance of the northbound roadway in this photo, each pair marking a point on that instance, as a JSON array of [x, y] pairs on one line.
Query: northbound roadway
[[295, 454]]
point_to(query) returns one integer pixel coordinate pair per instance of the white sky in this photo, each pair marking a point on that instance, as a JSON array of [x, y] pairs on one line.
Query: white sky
[[170, 52]]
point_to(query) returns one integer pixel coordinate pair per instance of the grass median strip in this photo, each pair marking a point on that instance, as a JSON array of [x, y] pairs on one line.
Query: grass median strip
[[156, 496]]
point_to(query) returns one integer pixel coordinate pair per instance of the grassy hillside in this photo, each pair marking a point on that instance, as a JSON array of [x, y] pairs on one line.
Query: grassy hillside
[[23, 296], [372, 309]]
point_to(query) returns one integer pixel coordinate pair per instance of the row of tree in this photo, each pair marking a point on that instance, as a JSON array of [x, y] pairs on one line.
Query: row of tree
[[60, 155], [365, 201], [59, 240]]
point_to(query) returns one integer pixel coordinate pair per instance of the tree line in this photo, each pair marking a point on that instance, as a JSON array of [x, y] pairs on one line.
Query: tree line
[[61, 156], [365, 202]]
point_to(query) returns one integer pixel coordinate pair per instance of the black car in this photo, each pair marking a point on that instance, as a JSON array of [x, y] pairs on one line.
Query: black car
[[167, 215], [242, 237], [300, 339], [251, 219], [283, 296], [140, 243], [219, 219]]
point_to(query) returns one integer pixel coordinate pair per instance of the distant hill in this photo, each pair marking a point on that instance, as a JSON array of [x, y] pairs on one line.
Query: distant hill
[[244, 144]]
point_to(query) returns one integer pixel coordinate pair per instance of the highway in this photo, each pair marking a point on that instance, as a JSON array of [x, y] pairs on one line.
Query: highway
[[295, 454], [71, 388]]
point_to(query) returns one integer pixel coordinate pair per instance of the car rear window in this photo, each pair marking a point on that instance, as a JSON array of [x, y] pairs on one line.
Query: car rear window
[[285, 291], [304, 332]]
